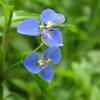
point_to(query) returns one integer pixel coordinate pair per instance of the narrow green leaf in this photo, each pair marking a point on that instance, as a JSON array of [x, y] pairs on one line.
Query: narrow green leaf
[[8, 16], [72, 28], [95, 93], [22, 84], [1, 34], [44, 87], [21, 15], [64, 73], [14, 96]]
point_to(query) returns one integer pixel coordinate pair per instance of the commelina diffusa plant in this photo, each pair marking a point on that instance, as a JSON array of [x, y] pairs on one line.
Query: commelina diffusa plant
[[50, 36]]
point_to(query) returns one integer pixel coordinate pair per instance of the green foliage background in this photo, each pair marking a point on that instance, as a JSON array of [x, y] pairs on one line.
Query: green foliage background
[[77, 77]]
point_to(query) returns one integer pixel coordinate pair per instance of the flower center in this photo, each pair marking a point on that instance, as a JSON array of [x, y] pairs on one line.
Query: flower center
[[50, 24], [48, 28], [43, 63]]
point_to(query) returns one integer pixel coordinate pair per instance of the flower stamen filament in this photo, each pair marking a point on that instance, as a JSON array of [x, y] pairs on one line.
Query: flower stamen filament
[[43, 63], [50, 24]]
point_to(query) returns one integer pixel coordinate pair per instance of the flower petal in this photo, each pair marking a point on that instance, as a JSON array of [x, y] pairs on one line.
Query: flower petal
[[60, 18], [53, 38], [29, 27], [47, 73], [48, 15], [31, 61], [54, 53]]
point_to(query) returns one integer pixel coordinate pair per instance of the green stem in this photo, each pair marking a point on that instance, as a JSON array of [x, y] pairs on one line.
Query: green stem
[[8, 16], [94, 16], [25, 55], [1, 75], [38, 47]]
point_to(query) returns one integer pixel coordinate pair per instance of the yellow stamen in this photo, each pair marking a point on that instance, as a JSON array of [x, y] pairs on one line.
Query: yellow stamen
[[43, 63], [50, 24], [47, 61]]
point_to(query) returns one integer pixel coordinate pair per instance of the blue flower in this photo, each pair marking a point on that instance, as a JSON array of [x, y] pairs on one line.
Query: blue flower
[[51, 18], [34, 64], [50, 35]]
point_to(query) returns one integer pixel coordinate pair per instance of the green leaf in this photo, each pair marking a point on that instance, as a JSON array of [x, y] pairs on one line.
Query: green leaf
[[65, 73], [44, 87], [95, 93], [1, 34], [72, 28], [22, 84], [21, 15], [10, 95], [1, 2], [14, 96], [82, 76], [8, 10]]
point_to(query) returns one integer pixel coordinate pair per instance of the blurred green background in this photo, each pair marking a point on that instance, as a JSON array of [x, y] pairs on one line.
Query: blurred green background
[[77, 77]]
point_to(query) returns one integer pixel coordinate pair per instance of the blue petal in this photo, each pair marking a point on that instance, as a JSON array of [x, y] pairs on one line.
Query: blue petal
[[54, 53], [60, 19], [29, 27], [31, 61], [48, 15], [47, 73], [53, 38]]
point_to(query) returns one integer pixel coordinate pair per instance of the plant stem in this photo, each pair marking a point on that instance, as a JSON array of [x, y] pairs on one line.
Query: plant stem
[[26, 54], [38, 47], [8, 16], [1, 75]]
